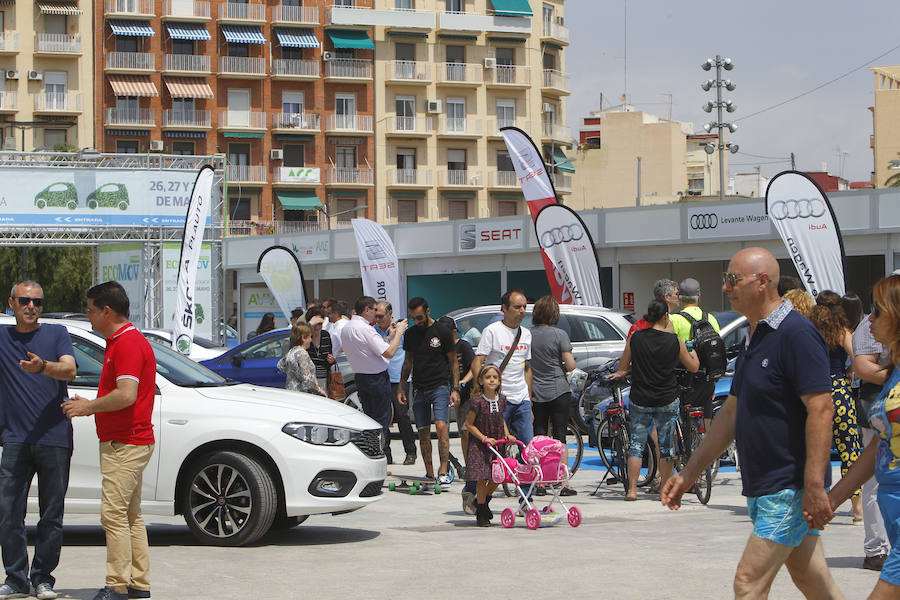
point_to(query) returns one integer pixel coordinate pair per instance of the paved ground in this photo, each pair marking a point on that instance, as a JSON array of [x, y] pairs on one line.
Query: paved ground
[[426, 546]]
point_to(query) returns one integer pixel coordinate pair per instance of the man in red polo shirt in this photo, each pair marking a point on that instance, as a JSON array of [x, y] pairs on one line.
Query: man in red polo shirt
[[122, 412]]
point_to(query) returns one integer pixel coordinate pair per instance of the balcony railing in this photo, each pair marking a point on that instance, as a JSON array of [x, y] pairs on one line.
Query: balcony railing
[[128, 7], [246, 173], [459, 126], [348, 123], [466, 178], [556, 79], [357, 5], [186, 9], [556, 31], [9, 41], [561, 181], [9, 100], [412, 177], [509, 74], [242, 228], [460, 73], [131, 61], [494, 125], [349, 67], [243, 65], [295, 67], [242, 119], [296, 14], [57, 42], [186, 118], [349, 175], [145, 117], [557, 132], [238, 11], [503, 179], [296, 121], [65, 102], [193, 63], [409, 70], [409, 125]]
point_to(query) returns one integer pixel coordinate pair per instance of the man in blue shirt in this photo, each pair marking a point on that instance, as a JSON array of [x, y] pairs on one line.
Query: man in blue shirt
[[35, 362], [384, 317], [779, 413]]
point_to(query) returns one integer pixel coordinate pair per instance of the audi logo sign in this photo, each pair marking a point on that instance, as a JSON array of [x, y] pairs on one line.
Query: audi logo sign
[[797, 209], [559, 235], [704, 221]]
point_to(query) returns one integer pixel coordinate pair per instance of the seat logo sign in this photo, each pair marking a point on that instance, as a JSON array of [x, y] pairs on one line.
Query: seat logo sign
[[704, 221], [560, 235], [797, 209]]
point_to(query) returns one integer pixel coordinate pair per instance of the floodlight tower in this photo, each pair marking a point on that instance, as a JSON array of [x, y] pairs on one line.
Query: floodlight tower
[[719, 63]]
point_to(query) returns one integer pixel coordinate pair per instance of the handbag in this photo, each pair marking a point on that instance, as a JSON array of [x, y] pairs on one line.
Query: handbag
[[336, 389]]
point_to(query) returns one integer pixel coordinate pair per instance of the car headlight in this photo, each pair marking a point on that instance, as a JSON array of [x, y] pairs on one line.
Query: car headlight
[[320, 435]]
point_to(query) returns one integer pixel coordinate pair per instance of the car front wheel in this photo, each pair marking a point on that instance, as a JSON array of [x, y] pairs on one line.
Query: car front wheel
[[230, 500]]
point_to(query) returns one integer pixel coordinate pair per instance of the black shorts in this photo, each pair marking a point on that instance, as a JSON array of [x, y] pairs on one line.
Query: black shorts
[[701, 395]]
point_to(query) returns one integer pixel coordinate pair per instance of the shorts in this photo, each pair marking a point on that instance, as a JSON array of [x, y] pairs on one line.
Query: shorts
[[428, 402], [640, 420], [779, 517], [462, 413], [889, 503]]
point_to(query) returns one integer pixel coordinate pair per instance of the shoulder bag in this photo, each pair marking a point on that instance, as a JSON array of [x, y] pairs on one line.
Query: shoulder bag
[[511, 350]]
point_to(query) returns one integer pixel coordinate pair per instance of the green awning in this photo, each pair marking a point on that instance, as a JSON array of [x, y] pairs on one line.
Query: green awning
[[552, 45], [407, 194], [407, 34], [512, 8], [293, 137], [350, 38], [454, 36], [298, 199], [244, 134], [507, 195], [562, 162], [347, 193], [508, 40], [459, 194]]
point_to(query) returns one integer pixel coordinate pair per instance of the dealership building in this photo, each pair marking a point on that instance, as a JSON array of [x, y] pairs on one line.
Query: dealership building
[[471, 262]]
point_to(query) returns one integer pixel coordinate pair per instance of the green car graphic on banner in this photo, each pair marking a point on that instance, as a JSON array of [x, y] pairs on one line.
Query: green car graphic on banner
[[57, 195], [109, 195]]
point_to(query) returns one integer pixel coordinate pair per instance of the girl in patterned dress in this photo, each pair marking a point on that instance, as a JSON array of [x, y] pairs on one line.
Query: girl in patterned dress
[[486, 425]]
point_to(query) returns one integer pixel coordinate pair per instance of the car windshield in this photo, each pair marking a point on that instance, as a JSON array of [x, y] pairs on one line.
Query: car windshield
[[205, 343], [182, 371]]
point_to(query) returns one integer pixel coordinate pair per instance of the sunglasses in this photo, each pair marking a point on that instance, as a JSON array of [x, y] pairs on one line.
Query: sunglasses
[[25, 301], [418, 318], [380, 315], [732, 279]]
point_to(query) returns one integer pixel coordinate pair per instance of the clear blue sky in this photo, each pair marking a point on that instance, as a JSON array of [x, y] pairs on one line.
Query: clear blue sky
[[780, 49]]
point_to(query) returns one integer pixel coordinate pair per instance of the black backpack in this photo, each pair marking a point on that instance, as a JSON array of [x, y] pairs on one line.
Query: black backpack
[[709, 346]]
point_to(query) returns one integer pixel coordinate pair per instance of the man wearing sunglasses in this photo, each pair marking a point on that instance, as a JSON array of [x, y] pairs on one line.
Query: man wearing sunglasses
[[779, 411], [36, 360]]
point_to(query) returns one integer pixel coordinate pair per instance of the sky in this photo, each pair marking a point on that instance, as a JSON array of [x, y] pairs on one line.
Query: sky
[[780, 49]]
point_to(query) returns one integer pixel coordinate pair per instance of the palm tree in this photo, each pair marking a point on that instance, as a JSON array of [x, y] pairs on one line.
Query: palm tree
[[893, 181]]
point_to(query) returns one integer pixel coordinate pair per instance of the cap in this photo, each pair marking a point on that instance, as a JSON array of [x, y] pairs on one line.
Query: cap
[[447, 322], [689, 287]]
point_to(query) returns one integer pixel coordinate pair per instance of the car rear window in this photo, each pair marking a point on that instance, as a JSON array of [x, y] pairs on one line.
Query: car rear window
[[591, 329]]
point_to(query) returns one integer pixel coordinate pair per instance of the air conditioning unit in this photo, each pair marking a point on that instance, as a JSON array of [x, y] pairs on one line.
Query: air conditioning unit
[[327, 55], [12, 74], [434, 107], [547, 107], [35, 75], [276, 154], [490, 62], [475, 180], [560, 21], [156, 146]]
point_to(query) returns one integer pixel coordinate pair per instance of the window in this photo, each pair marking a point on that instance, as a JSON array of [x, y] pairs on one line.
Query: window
[[406, 113], [239, 209], [270, 347], [506, 56], [89, 361], [345, 111], [406, 165], [55, 87], [55, 24], [54, 138], [456, 160], [290, 53], [504, 162], [506, 208], [292, 102], [126, 146], [454, 5], [404, 51], [456, 54], [549, 116], [407, 210], [344, 53], [127, 43], [404, 5], [238, 108], [345, 157], [182, 147], [506, 113], [405, 65], [183, 109], [343, 2], [591, 329], [293, 155], [547, 14], [345, 210], [239, 155], [549, 60], [238, 49], [127, 106], [456, 115], [182, 46], [459, 210]]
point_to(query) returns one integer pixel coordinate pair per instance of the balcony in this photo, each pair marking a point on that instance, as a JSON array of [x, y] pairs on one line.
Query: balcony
[[557, 133], [9, 41], [555, 32], [57, 43], [243, 228], [410, 178], [303, 177], [508, 76], [186, 63], [408, 127], [349, 176], [297, 122], [295, 15], [503, 180], [562, 182], [242, 67], [57, 103], [185, 10], [130, 62], [294, 68], [348, 68], [494, 125], [186, 119], [9, 102], [555, 83], [459, 128], [241, 119], [460, 74], [461, 21], [408, 72], [129, 8], [348, 16], [349, 124], [246, 174], [460, 179], [355, 16], [141, 118], [238, 12]]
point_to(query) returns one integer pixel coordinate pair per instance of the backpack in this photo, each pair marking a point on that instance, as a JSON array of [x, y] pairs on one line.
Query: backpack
[[709, 346]]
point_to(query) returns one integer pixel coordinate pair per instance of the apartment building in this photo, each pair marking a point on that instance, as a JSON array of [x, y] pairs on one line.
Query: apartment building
[[448, 75], [46, 73], [885, 138], [280, 89]]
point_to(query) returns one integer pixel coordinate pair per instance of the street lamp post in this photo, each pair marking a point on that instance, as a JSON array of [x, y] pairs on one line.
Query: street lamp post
[[727, 105], [328, 215]]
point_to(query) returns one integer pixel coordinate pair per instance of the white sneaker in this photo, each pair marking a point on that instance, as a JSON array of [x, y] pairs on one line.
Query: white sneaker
[[44, 591], [7, 591], [444, 481]]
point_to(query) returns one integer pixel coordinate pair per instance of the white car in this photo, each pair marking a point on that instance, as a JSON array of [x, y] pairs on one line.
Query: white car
[[201, 348], [233, 459]]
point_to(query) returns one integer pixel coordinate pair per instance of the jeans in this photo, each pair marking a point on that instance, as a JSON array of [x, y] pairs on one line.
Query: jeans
[[427, 402], [375, 396], [518, 419], [18, 465]]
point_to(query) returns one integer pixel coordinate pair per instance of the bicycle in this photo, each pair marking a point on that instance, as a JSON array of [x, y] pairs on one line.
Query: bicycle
[[689, 434]]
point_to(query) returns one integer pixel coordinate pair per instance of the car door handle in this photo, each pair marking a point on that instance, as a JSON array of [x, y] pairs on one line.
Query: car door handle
[[178, 421]]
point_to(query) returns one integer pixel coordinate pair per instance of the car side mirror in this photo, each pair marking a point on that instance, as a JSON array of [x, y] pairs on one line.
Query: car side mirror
[[237, 359]]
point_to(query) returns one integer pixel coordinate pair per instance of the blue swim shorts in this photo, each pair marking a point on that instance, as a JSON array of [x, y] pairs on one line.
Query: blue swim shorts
[[779, 517], [889, 503]]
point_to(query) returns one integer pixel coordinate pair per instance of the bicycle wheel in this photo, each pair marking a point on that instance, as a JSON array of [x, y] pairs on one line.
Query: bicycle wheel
[[703, 487], [620, 455], [573, 433], [604, 443], [648, 464]]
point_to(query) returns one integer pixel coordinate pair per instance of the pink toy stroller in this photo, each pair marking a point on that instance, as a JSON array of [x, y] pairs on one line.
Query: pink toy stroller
[[546, 463]]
